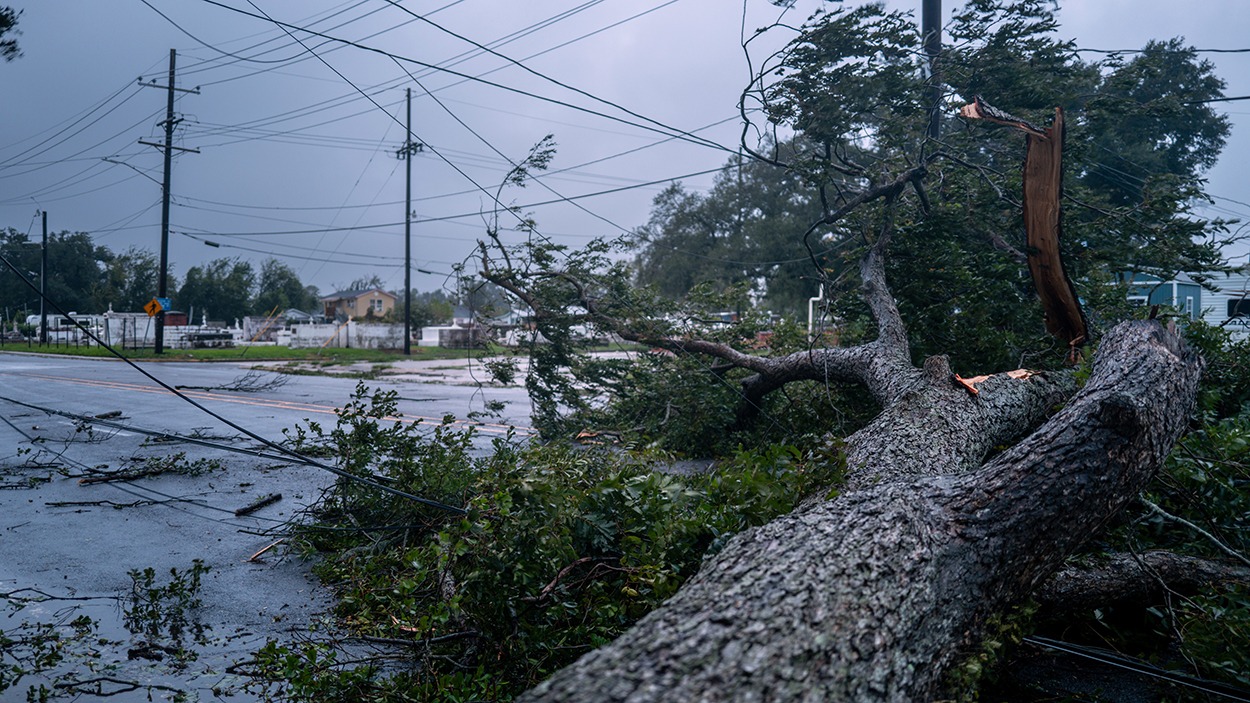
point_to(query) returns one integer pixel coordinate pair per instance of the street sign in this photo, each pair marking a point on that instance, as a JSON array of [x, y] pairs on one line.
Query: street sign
[[166, 304], [153, 307]]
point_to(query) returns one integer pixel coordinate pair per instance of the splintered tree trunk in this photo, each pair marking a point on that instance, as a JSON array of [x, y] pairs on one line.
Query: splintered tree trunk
[[874, 595], [1043, 188]]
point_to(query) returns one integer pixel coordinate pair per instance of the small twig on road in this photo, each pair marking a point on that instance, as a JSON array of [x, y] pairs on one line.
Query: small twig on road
[[266, 548], [258, 504], [250, 382], [80, 687]]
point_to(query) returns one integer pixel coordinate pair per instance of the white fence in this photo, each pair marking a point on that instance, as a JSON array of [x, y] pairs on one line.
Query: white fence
[[348, 335]]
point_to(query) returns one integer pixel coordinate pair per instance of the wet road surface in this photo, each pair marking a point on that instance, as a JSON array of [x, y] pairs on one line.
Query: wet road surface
[[65, 539]]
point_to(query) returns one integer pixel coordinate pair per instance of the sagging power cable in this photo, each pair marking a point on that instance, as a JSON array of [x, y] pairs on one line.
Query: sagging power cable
[[309, 461]]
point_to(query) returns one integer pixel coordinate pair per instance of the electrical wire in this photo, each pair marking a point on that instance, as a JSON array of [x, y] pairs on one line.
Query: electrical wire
[[513, 165], [302, 55], [511, 37], [299, 257], [566, 169], [1119, 661], [506, 39], [141, 491], [13, 161], [81, 131], [691, 137], [381, 226], [569, 42], [667, 131], [230, 423]]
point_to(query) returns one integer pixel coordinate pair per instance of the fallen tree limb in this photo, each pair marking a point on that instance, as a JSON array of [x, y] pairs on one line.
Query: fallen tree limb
[[1209, 537], [124, 475], [1129, 579], [873, 596]]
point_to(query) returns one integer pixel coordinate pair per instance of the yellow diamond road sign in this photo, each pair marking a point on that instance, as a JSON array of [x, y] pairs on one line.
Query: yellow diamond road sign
[[152, 308]]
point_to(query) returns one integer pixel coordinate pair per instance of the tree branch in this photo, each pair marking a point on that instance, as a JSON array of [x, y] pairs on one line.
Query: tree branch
[[1210, 537], [1131, 579]]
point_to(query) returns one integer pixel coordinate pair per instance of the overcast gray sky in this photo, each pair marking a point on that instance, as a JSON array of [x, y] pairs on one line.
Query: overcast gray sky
[[287, 144]]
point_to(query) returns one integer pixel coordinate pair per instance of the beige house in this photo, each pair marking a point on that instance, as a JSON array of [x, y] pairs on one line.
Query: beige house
[[358, 304]]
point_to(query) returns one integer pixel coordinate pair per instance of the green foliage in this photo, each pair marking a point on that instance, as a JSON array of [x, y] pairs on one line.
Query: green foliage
[[34, 649], [685, 405], [502, 371], [1214, 629], [89, 278], [1225, 390], [742, 233], [1002, 632], [74, 271], [165, 612], [979, 311], [852, 72], [559, 550], [1148, 118], [425, 308], [279, 289], [128, 281], [222, 288], [852, 85]]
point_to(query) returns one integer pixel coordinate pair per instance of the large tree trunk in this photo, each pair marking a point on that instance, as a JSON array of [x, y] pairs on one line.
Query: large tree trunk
[[876, 594]]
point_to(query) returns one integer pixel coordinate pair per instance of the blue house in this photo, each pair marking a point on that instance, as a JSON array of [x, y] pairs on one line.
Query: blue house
[[1181, 293], [1225, 302]]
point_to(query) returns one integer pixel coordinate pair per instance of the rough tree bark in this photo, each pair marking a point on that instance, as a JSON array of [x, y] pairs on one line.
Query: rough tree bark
[[875, 595]]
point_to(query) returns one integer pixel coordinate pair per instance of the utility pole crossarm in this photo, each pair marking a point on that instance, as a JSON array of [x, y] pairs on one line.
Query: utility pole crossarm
[[408, 149], [169, 146], [153, 84]]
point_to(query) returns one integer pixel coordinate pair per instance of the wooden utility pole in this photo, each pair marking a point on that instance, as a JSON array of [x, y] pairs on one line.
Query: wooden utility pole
[[43, 283], [405, 152], [931, 29], [168, 147]]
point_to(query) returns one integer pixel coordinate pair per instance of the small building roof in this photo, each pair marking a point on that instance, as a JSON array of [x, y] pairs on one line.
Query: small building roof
[[353, 294]]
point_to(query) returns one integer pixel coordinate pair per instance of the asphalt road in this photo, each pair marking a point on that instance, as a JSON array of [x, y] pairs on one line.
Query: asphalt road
[[67, 539]]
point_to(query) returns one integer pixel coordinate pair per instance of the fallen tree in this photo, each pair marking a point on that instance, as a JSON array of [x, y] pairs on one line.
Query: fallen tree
[[961, 497], [877, 594]]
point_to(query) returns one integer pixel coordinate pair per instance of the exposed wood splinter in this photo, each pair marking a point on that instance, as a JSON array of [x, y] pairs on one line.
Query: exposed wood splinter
[[970, 384], [266, 548]]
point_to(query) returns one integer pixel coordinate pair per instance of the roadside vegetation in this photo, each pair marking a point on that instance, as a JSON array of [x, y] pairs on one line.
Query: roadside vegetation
[[544, 553]]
